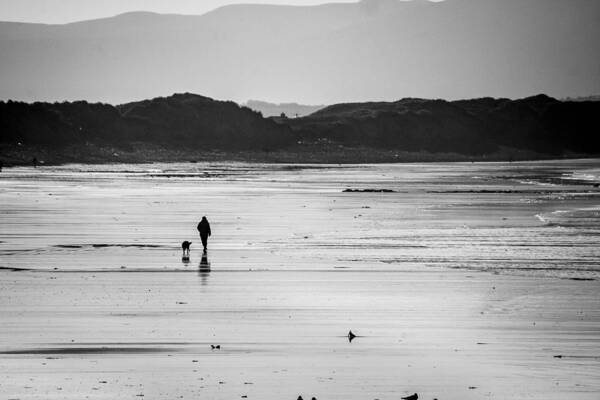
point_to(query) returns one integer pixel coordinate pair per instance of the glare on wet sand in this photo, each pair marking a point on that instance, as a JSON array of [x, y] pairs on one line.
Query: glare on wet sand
[[466, 281]]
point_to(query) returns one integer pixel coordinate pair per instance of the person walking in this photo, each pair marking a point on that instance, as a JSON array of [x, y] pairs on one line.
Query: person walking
[[204, 230]]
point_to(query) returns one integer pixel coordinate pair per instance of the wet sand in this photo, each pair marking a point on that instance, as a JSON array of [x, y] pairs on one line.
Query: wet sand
[[469, 281]]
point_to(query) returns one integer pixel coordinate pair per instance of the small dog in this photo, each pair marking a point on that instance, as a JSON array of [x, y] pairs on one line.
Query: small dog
[[185, 247]]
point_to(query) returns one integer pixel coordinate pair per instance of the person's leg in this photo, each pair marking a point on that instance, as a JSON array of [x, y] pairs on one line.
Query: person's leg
[[204, 239]]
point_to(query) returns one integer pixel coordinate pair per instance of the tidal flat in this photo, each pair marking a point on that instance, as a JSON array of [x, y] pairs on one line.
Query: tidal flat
[[461, 280]]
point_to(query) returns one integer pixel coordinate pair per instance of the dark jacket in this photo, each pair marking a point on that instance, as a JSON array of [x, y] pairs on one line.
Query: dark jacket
[[204, 227]]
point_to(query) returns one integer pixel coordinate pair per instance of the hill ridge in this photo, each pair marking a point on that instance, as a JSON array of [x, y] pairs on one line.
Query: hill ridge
[[479, 128]]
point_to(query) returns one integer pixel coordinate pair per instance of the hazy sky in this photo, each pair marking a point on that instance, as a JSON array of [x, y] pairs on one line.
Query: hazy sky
[[323, 55], [63, 11]]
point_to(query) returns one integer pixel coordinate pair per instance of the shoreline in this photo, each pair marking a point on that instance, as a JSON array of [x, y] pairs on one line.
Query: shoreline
[[91, 155]]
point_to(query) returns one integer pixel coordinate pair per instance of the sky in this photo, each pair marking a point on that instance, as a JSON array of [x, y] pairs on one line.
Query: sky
[[65, 11], [324, 55]]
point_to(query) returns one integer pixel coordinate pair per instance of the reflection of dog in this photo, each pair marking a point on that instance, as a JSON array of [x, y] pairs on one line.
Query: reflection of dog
[[185, 247]]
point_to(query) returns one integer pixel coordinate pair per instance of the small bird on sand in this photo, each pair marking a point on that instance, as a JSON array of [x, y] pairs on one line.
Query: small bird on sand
[[413, 397], [351, 336], [218, 347]]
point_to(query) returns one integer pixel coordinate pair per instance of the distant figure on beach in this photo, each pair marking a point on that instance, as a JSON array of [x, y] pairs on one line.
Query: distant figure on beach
[[204, 230], [35, 162]]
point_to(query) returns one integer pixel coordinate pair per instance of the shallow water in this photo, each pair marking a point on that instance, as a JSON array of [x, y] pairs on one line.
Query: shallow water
[[468, 281], [526, 218]]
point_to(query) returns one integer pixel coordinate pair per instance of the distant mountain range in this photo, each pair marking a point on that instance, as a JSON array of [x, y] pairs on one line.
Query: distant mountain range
[[292, 110], [541, 126], [583, 98], [368, 50]]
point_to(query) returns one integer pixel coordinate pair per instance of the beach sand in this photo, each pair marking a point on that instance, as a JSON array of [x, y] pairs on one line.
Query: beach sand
[[469, 281]]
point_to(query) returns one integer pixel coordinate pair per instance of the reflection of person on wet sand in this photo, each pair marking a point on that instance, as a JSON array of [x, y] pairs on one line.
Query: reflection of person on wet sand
[[204, 264], [204, 268], [204, 230]]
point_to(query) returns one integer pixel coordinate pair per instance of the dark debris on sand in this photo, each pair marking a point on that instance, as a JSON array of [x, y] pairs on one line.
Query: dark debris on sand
[[369, 191]]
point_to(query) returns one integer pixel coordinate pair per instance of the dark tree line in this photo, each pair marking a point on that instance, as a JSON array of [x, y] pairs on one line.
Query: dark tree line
[[180, 120], [471, 127]]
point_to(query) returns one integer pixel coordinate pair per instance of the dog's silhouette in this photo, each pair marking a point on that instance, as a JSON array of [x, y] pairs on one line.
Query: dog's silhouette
[[185, 247]]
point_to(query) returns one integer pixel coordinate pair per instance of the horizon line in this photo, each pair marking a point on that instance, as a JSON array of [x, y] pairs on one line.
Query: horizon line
[[244, 103], [182, 14]]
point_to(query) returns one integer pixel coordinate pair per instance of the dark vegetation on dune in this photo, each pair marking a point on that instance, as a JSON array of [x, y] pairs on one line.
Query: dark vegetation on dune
[[184, 126], [471, 127], [178, 121]]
